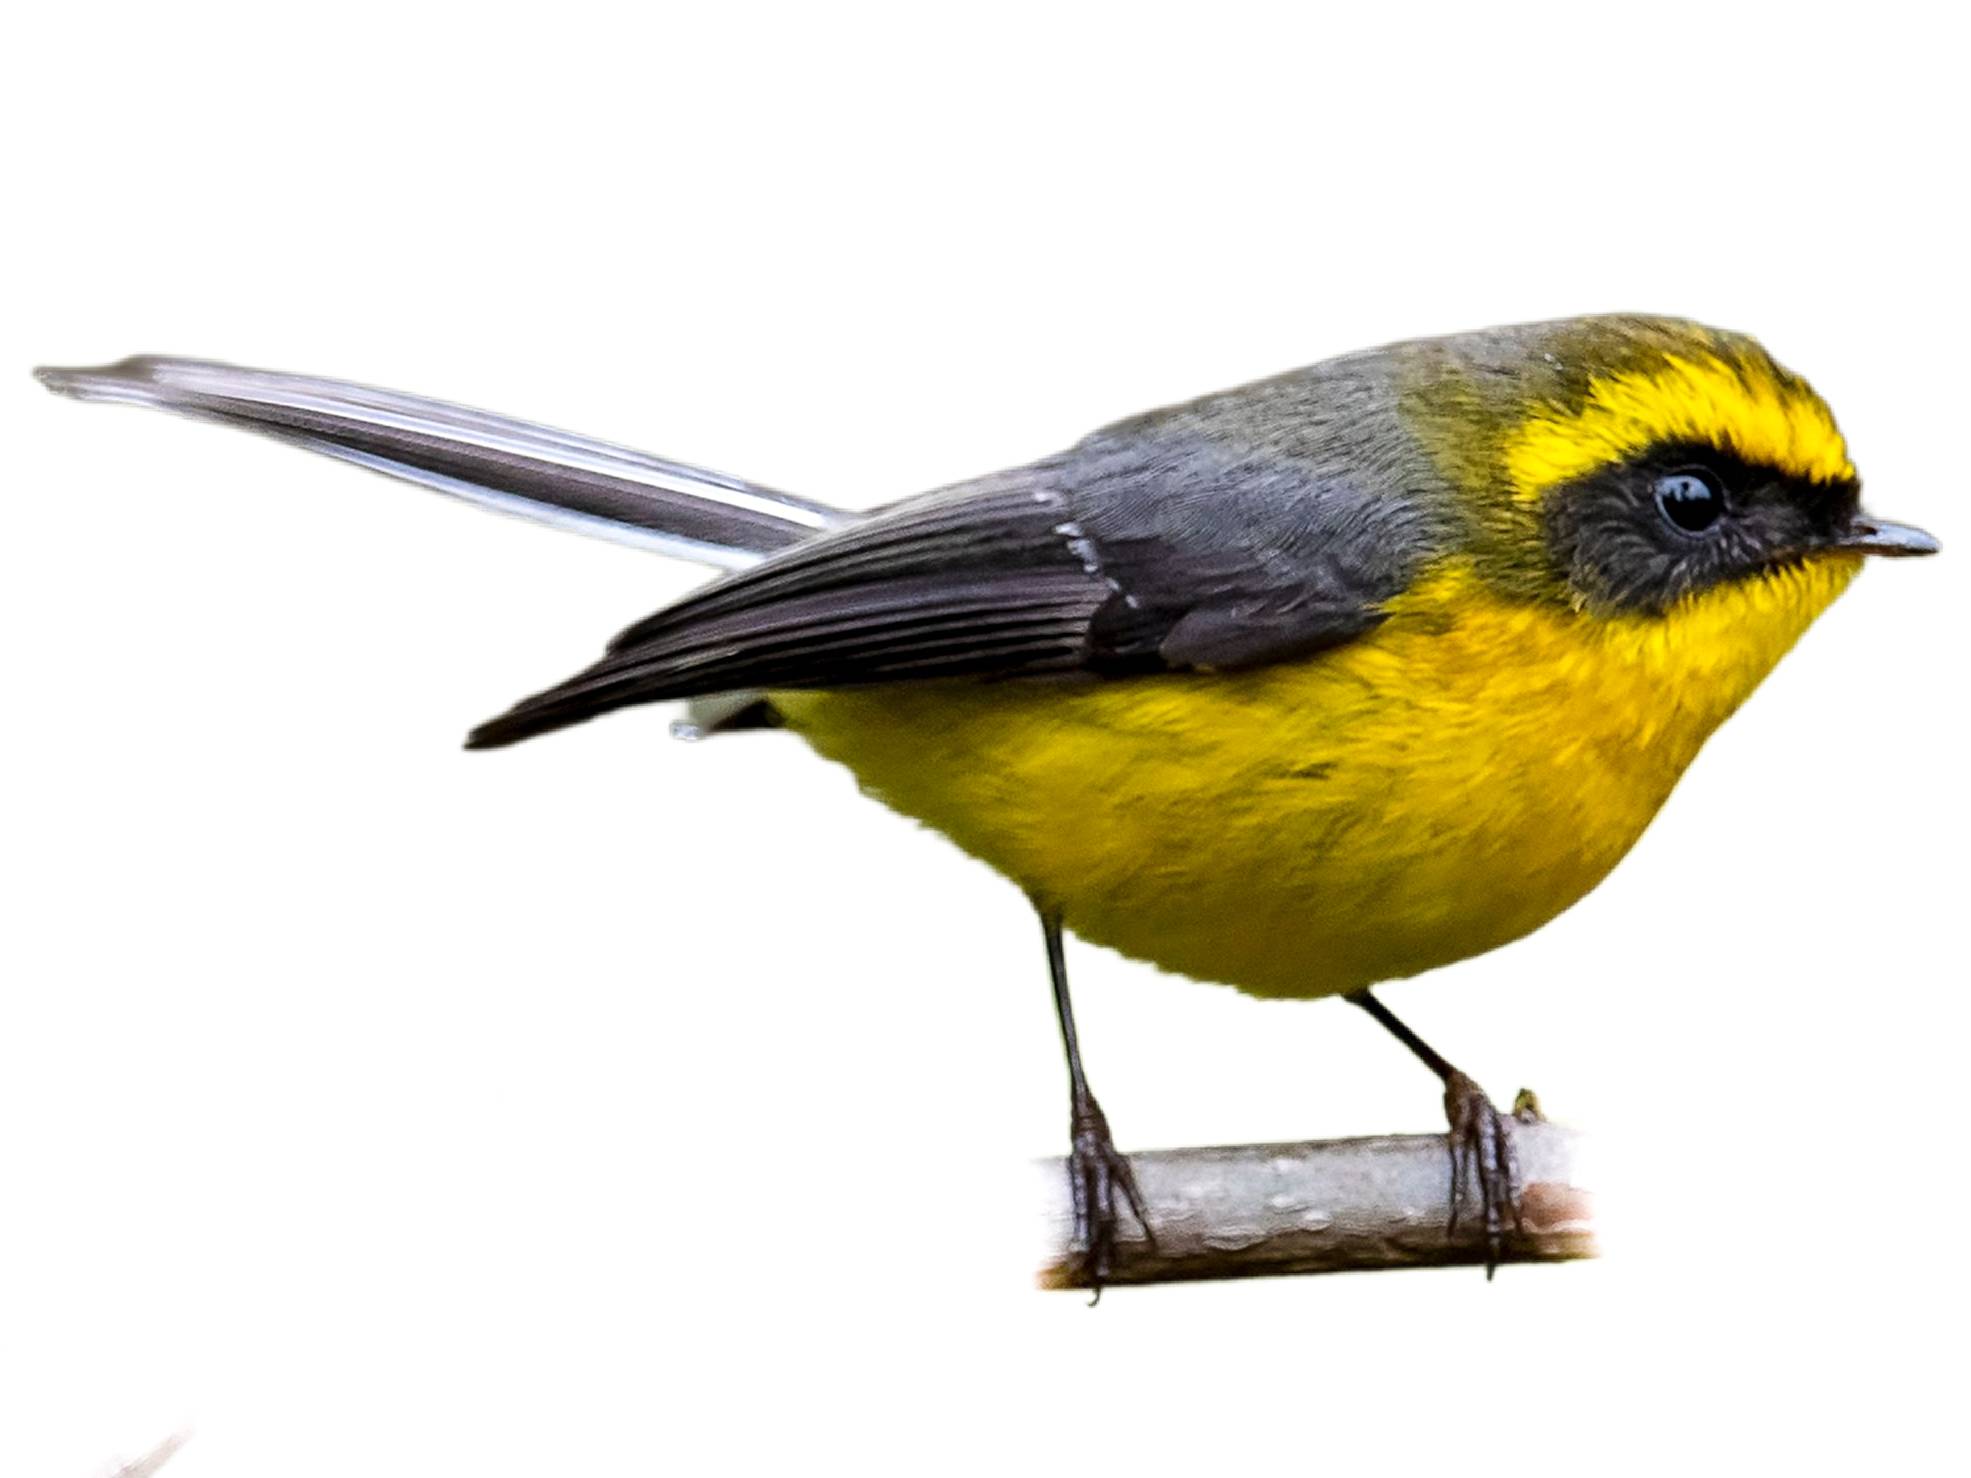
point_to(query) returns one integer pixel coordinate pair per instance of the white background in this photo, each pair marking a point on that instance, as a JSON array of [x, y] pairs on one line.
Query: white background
[[614, 1106]]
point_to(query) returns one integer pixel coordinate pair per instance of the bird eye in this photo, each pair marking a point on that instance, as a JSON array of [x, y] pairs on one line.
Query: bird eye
[[1691, 499]]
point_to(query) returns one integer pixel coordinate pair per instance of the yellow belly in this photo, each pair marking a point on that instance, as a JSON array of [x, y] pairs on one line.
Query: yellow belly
[[1435, 790]]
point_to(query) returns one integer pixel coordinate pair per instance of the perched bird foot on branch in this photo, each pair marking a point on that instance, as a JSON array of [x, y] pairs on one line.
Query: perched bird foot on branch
[[1097, 1170], [1482, 1154], [1483, 1160]]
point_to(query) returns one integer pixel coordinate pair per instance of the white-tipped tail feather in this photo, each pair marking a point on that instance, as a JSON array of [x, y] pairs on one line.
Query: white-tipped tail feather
[[510, 466]]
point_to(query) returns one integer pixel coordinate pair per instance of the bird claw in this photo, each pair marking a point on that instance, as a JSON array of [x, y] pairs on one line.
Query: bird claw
[[1484, 1162], [1097, 1170]]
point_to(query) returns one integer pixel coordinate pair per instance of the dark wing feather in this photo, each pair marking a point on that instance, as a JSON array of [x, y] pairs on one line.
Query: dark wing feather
[[974, 580], [1197, 538]]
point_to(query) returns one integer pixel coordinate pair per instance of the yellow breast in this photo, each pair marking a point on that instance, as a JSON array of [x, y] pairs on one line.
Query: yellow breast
[[1432, 791]]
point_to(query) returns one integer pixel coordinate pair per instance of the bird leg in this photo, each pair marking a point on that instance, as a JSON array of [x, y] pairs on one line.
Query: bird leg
[[1482, 1156], [1097, 1170]]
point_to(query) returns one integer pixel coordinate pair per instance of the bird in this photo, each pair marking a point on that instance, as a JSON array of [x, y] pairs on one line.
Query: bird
[[1302, 687]]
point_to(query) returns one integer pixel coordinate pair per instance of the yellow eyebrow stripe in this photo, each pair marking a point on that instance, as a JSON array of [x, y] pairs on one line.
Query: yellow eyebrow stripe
[[1743, 409]]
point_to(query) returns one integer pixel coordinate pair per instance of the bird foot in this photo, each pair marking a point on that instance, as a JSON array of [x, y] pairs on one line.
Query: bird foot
[[1097, 1172], [1484, 1165]]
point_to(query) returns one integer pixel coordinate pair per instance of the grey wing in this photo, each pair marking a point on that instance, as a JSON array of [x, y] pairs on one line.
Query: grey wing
[[1160, 545]]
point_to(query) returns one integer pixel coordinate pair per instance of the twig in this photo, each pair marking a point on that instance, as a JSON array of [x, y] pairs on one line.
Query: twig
[[1326, 1206]]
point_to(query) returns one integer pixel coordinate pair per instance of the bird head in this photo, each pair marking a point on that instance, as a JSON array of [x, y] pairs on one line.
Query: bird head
[[1652, 468]]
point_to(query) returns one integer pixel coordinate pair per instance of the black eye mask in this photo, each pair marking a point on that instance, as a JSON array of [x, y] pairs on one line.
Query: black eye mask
[[1640, 535]]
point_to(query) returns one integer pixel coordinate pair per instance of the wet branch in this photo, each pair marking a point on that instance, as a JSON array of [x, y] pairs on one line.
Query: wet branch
[[1325, 1206]]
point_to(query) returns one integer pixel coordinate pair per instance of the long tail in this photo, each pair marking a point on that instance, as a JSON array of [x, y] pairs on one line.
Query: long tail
[[517, 467]]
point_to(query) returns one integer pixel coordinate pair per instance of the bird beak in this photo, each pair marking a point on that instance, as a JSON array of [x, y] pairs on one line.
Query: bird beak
[[1868, 535]]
